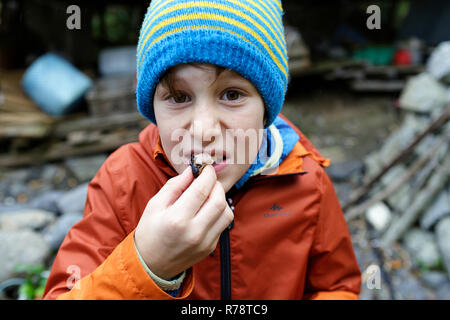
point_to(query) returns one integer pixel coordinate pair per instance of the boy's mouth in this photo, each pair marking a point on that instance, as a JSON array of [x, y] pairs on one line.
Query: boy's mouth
[[211, 156], [200, 160]]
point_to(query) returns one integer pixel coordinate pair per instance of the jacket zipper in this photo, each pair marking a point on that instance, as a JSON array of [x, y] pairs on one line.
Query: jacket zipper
[[225, 266]]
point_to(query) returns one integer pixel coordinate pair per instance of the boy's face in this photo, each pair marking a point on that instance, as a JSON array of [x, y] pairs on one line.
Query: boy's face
[[221, 116]]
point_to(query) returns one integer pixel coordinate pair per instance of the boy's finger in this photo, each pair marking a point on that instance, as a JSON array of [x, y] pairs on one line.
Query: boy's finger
[[197, 193], [224, 220], [174, 188], [212, 208]]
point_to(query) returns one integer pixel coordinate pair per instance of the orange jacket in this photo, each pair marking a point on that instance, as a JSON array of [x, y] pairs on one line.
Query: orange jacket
[[289, 239]]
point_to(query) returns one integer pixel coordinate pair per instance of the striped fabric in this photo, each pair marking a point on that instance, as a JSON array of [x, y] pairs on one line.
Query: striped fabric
[[243, 35]]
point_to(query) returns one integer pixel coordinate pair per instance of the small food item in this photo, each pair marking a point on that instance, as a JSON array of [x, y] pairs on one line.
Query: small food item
[[200, 161]]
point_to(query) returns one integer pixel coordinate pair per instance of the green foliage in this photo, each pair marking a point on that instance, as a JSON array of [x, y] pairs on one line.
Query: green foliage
[[35, 280], [117, 21], [115, 26], [424, 268], [440, 265], [96, 26]]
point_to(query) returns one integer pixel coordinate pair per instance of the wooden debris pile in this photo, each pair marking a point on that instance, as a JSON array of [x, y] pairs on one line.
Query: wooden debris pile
[[29, 136], [369, 78], [405, 195], [20, 117]]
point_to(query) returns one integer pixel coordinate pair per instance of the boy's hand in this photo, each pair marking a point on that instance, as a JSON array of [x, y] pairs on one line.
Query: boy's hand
[[182, 223]]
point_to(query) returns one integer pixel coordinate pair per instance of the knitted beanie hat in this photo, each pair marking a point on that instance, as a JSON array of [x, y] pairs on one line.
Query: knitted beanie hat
[[246, 36]]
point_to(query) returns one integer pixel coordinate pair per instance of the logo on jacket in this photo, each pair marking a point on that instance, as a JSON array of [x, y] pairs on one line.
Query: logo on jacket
[[275, 211], [275, 207]]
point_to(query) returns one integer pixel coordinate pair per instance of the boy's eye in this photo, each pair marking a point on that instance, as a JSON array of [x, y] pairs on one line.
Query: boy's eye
[[179, 98], [231, 95]]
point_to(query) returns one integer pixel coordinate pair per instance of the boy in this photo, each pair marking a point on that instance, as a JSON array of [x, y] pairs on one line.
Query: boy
[[261, 222]]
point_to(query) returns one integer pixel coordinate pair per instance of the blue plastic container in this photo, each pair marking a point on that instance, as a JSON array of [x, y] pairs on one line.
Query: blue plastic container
[[54, 84]]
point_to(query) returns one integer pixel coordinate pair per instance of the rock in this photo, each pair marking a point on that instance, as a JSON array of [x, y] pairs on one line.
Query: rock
[[73, 200], [400, 139], [423, 93], [443, 292], [443, 241], [393, 175], [343, 191], [422, 247], [47, 201], [85, 168], [18, 175], [419, 203], [424, 146], [345, 170], [12, 207], [439, 209], [419, 179], [434, 279], [17, 189], [407, 287], [438, 65], [32, 219], [400, 200], [49, 172], [56, 175], [55, 234], [379, 216], [372, 164], [20, 247]]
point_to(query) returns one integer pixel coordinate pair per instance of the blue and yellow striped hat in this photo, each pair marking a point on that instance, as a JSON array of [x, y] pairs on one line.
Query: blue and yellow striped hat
[[246, 36]]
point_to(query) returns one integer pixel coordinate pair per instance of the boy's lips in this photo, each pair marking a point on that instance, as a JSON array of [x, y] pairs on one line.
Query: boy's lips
[[198, 162], [220, 166], [218, 157]]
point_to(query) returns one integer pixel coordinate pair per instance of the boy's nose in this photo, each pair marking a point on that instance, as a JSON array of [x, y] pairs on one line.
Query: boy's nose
[[205, 125]]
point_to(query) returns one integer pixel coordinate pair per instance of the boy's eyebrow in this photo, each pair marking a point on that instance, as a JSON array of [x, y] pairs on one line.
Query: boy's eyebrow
[[233, 76], [225, 75]]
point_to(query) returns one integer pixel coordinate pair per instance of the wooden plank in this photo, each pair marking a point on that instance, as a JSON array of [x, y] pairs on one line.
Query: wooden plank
[[63, 128], [62, 150], [323, 67], [32, 130], [377, 85]]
